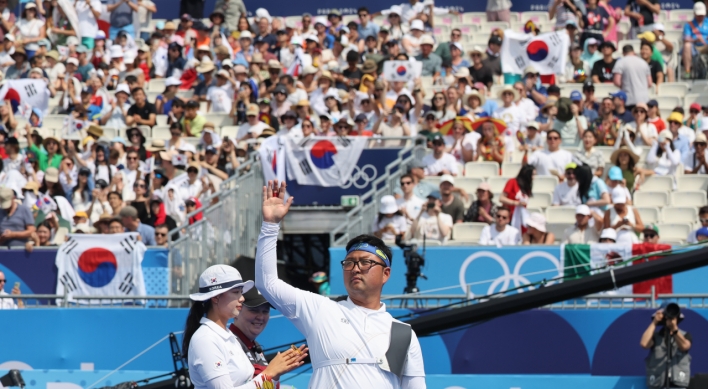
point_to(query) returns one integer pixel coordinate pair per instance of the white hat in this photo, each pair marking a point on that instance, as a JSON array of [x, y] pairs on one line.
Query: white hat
[[116, 51], [309, 69], [457, 45], [72, 61], [227, 62], [699, 9], [122, 88], [462, 72], [533, 124], [184, 147], [388, 205], [10, 37], [618, 195], [296, 40], [447, 178], [665, 134], [591, 41], [609, 233], [417, 24], [172, 81], [129, 57], [396, 9], [659, 27], [582, 209], [312, 37], [218, 279], [263, 13], [72, 40], [427, 40], [344, 41], [320, 20], [537, 221], [245, 34]]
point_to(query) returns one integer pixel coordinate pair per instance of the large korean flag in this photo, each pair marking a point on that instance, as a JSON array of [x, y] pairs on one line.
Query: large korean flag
[[324, 161], [26, 94], [546, 52], [272, 152], [101, 265]]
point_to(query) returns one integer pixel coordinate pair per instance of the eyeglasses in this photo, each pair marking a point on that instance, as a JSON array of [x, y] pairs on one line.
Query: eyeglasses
[[131, 158], [456, 35], [2, 281], [704, 221], [364, 265], [553, 138], [403, 183], [674, 122], [638, 111], [701, 144], [502, 217], [139, 186], [693, 111], [160, 234], [306, 126], [649, 236], [342, 127]]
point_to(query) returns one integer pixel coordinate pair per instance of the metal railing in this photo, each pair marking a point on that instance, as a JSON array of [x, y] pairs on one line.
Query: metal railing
[[358, 219], [226, 230], [410, 301]]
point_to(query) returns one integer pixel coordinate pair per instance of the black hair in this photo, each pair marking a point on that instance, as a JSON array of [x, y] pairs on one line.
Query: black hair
[[45, 223], [179, 103], [594, 135], [503, 208], [660, 150], [626, 49], [287, 77], [370, 239], [646, 43], [407, 175], [120, 196], [131, 80], [57, 189], [584, 175], [176, 126], [194, 317], [137, 88], [556, 131], [525, 179], [163, 225], [191, 104], [703, 210], [352, 56], [362, 9], [85, 193]]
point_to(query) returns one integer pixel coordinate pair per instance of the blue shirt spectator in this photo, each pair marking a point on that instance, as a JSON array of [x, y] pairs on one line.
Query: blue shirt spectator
[[366, 26], [698, 26], [131, 223]]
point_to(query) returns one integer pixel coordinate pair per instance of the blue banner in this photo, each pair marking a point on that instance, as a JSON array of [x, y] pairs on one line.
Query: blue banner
[[371, 165]]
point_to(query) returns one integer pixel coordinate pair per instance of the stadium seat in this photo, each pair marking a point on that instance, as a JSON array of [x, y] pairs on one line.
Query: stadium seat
[[474, 17], [544, 184], [679, 215], [53, 121], [606, 152], [467, 231], [651, 199], [541, 200], [657, 184], [688, 199], [535, 16], [692, 182], [694, 98], [562, 214], [497, 184], [510, 169], [156, 85], [649, 214], [674, 231], [186, 94], [230, 131], [673, 89], [110, 133], [219, 119], [681, 15], [669, 101], [161, 132], [433, 180], [192, 140], [152, 96], [446, 20], [481, 169], [469, 184], [558, 229], [161, 120], [146, 130]]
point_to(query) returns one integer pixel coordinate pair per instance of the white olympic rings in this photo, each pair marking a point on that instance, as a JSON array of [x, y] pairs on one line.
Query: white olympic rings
[[360, 177]]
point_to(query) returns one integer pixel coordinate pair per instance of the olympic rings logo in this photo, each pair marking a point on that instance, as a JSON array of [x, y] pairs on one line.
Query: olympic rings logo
[[507, 277], [361, 177]]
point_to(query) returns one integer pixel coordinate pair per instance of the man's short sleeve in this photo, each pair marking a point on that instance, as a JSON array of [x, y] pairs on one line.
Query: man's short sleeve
[[619, 67], [132, 110], [27, 217], [151, 108]]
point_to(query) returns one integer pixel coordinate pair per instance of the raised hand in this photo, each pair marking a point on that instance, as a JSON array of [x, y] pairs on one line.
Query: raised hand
[[274, 205]]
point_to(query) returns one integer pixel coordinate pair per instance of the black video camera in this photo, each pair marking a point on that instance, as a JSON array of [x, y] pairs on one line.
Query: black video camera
[[671, 311], [414, 262]]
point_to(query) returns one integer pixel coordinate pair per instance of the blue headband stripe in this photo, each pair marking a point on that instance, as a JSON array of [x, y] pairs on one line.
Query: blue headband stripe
[[370, 249]]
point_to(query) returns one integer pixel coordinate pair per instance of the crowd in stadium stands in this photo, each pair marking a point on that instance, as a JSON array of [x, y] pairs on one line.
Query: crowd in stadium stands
[[137, 105]]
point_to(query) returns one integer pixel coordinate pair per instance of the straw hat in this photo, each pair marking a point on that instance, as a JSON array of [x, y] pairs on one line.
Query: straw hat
[[624, 149]]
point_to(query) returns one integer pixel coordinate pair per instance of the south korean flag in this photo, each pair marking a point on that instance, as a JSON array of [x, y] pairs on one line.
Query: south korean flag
[[101, 265]]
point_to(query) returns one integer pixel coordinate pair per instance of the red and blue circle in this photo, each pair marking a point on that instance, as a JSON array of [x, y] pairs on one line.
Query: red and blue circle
[[401, 70], [97, 267], [537, 50], [322, 154]]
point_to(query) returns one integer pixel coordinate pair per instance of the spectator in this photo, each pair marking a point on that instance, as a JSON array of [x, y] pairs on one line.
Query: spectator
[[590, 156], [694, 162], [31, 29], [143, 112], [409, 204], [623, 218], [619, 100], [669, 340], [641, 15], [608, 235], [121, 17], [52, 154], [591, 54], [627, 160], [537, 232], [432, 63], [703, 220], [565, 11], [88, 12], [491, 146], [500, 233], [451, 204], [657, 70], [16, 220], [230, 10], [663, 158], [597, 22], [390, 222], [633, 76], [480, 70], [193, 8], [566, 192], [570, 122], [367, 27], [553, 160], [646, 132], [432, 223], [192, 123], [498, 11], [43, 236], [482, 210], [115, 201], [581, 232], [695, 36], [651, 234], [6, 302], [602, 70], [131, 223], [115, 227], [493, 57], [516, 193], [654, 116], [592, 192], [682, 143], [576, 69], [615, 179], [537, 93], [439, 162], [159, 217], [534, 140]]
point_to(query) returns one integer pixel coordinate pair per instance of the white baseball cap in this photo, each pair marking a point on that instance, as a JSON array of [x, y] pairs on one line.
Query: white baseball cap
[[618, 195], [699, 9], [582, 209], [218, 279], [172, 81], [122, 88], [609, 233], [447, 178]]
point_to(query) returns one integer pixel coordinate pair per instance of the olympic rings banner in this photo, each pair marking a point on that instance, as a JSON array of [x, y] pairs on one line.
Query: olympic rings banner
[[370, 166]]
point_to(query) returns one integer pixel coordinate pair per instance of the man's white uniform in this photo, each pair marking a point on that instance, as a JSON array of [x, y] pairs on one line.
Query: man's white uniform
[[335, 331]]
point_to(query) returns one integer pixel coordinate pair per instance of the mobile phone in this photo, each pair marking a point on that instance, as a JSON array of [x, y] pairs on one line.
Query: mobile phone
[[17, 285]]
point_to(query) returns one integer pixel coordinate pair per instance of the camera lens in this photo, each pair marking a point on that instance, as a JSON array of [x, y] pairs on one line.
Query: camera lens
[[672, 310]]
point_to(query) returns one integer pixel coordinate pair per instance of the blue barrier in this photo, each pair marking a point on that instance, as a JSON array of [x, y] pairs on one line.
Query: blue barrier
[[489, 269], [166, 9]]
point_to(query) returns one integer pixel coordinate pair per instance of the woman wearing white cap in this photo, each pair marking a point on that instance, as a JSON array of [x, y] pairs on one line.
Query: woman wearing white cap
[[663, 159], [537, 232], [216, 359], [623, 218], [390, 222]]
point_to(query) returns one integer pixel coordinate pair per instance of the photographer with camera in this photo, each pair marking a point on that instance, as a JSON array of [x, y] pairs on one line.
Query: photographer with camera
[[668, 364], [432, 222], [565, 11]]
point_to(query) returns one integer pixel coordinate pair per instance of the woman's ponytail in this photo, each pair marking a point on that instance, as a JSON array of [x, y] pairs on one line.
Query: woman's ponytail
[[196, 313]]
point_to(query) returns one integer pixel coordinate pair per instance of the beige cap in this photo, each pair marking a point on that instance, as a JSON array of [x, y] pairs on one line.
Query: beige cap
[[252, 109]]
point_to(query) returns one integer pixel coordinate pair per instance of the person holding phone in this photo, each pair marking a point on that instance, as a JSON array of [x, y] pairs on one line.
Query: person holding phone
[[9, 303]]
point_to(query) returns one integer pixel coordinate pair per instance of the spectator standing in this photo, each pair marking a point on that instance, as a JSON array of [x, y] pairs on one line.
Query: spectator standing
[[623, 218], [633, 76], [602, 70], [366, 26], [194, 8], [694, 162], [597, 22], [16, 220], [451, 204], [516, 195], [565, 11], [88, 12], [409, 204], [232, 10], [31, 29], [6, 302], [657, 70], [695, 37], [498, 11], [621, 111], [432, 223], [439, 162], [581, 232], [390, 222], [121, 18], [131, 223], [500, 233], [493, 55], [146, 8], [641, 14], [537, 232]]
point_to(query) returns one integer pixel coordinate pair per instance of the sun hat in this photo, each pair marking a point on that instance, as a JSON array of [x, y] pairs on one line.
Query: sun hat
[[51, 175], [623, 149], [6, 196], [218, 279], [664, 135], [537, 221], [388, 205], [485, 186], [509, 88], [476, 94], [582, 209]]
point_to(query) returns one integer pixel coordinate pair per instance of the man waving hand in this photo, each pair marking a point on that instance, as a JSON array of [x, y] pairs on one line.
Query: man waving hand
[[350, 341]]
